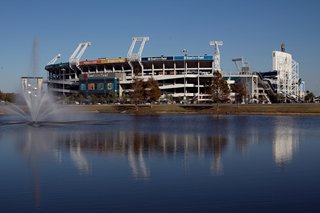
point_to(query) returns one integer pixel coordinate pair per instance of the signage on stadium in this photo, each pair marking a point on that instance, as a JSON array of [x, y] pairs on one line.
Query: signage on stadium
[[89, 62], [98, 75], [161, 58], [113, 60], [206, 57], [104, 61]]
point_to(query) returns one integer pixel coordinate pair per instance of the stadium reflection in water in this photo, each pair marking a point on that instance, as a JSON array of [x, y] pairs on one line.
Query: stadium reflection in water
[[286, 140], [125, 162], [136, 146]]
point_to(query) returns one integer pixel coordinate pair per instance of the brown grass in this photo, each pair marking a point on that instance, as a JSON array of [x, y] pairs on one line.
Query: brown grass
[[210, 109]]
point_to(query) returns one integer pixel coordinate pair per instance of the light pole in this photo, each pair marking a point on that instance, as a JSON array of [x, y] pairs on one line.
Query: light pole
[[185, 51], [198, 82], [63, 72]]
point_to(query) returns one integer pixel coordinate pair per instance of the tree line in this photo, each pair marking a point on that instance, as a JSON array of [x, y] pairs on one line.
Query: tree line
[[7, 97]]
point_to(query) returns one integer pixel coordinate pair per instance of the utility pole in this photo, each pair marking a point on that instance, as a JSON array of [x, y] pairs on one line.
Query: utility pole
[[63, 73], [185, 51]]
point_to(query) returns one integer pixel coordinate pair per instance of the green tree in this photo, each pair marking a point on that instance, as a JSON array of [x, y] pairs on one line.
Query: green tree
[[111, 97], [125, 98], [168, 98], [71, 98], [10, 97], [75, 97], [219, 89], [93, 99], [309, 97], [80, 98]]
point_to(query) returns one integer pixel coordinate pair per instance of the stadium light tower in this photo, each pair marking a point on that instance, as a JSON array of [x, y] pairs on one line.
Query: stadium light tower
[[216, 54], [54, 59], [76, 55], [137, 56]]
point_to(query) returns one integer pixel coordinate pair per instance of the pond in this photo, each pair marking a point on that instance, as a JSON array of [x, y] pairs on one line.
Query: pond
[[161, 163]]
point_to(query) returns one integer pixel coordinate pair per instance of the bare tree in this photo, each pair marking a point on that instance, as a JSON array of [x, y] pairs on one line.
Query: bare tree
[[219, 89], [138, 94], [152, 90], [145, 91], [240, 91]]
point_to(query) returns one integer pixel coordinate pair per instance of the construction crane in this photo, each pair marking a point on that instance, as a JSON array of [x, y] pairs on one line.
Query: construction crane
[[241, 65], [54, 59], [216, 54], [76, 55], [137, 56]]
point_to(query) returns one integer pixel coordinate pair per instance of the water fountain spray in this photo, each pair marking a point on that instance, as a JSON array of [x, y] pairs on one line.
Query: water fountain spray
[[32, 93]]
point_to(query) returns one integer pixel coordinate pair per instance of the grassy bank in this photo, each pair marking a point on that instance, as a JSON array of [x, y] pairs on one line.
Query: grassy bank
[[312, 109]]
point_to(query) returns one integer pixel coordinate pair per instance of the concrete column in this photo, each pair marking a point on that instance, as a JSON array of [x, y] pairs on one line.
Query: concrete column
[[198, 81], [163, 68], [120, 89]]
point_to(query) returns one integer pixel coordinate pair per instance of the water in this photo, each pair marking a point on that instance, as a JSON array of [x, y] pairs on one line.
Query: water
[[167, 163], [37, 106]]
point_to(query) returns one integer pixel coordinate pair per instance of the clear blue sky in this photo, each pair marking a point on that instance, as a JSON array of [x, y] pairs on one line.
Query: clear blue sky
[[249, 28]]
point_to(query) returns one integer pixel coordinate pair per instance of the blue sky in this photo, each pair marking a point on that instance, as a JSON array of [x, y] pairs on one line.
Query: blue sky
[[249, 28]]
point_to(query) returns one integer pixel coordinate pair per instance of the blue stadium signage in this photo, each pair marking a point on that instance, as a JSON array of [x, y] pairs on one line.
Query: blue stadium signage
[[177, 58], [161, 58]]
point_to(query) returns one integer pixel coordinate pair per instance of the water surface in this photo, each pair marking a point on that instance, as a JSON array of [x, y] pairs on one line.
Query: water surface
[[165, 163]]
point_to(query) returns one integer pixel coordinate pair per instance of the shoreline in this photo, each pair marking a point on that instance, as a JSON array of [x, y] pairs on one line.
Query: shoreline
[[224, 109], [311, 109]]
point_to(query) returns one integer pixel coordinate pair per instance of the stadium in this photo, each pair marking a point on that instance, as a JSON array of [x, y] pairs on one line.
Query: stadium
[[181, 77]]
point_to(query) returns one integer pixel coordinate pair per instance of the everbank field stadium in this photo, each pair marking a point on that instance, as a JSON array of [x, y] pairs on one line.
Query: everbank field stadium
[[183, 77]]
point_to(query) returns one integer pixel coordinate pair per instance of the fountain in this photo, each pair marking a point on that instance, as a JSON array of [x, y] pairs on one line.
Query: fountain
[[38, 104], [38, 108]]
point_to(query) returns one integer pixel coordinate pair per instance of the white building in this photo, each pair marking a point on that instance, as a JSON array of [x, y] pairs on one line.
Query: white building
[[287, 81]]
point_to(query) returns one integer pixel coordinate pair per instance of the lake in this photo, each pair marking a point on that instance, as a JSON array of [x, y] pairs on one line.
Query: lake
[[162, 163]]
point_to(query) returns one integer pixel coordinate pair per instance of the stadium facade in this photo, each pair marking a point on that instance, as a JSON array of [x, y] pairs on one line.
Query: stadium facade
[[182, 77]]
